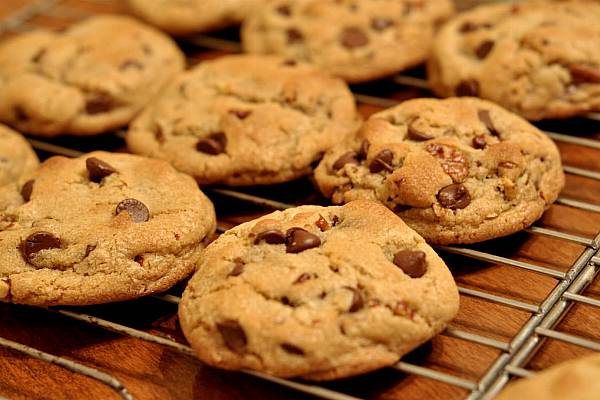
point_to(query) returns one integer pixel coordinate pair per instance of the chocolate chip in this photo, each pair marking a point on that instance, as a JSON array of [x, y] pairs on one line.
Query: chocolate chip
[[139, 259], [290, 63], [484, 117], [159, 135], [353, 36], [484, 49], [20, 114], [357, 299], [27, 189], [479, 142], [381, 23], [290, 348], [233, 335], [304, 277], [507, 164], [214, 144], [284, 9], [584, 74], [411, 262], [138, 212], [335, 220], [270, 236], [131, 64], [322, 224], [238, 267], [99, 103], [364, 149], [454, 196], [417, 135], [241, 114], [298, 240], [36, 242], [347, 158], [468, 27], [383, 160], [89, 248], [98, 169], [37, 57], [294, 35], [469, 87]]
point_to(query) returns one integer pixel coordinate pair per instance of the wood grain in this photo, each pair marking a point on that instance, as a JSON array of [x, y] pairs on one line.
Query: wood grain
[[151, 371]]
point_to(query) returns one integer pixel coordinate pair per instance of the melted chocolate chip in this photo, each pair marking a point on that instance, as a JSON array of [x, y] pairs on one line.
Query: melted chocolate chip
[[304, 277], [241, 114], [484, 117], [584, 74], [159, 135], [469, 87], [233, 335], [357, 299], [468, 27], [213, 144], [411, 262], [383, 160], [298, 240], [139, 259], [127, 64], [89, 248], [364, 150], [335, 220], [290, 348], [36, 242], [98, 169], [238, 267], [99, 103], [138, 212], [484, 49], [27, 189], [454, 196], [347, 158], [322, 224], [381, 23], [479, 142], [353, 37], [284, 9], [294, 35], [270, 236], [417, 135]]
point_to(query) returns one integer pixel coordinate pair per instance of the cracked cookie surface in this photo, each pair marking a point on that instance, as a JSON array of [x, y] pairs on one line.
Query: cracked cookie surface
[[574, 380], [317, 292], [246, 119], [538, 59], [458, 170], [17, 158], [85, 80], [357, 40], [100, 228], [185, 17]]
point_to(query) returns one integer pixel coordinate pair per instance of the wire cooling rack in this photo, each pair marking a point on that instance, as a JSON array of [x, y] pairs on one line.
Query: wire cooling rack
[[543, 317]]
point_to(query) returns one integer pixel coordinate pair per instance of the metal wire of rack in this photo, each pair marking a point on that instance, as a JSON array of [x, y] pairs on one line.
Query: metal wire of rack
[[514, 354]]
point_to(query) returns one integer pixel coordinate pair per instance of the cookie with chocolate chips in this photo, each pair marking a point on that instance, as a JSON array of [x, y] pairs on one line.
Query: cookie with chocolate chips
[[245, 120], [540, 59], [317, 292], [100, 228], [85, 80], [458, 170], [357, 40], [192, 16]]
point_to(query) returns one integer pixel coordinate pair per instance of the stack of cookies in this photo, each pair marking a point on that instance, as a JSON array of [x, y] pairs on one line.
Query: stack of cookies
[[319, 292]]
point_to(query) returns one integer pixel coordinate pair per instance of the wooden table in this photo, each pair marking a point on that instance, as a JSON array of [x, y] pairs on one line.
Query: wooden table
[[152, 371]]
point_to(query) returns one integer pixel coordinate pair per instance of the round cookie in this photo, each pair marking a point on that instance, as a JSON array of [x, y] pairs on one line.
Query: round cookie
[[100, 228], [459, 170], [574, 380], [192, 16], [85, 80], [245, 120], [357, 40], [317, 292], [538, 59], [17, 158]]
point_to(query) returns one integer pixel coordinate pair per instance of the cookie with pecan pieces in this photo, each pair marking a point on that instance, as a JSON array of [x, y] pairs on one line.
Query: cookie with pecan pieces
[[459, 170], [540, 59], [317, 292], [100, 228], [91, 78], [356, 40]]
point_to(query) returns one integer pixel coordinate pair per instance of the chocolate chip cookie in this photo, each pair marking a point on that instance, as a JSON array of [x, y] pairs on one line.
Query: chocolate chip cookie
[[100, 228], [574, 380], [186, 17], [91, 78], [357, 40], [459, 170], [317, 292], [538, 59], [246, 119], [17, 158]]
